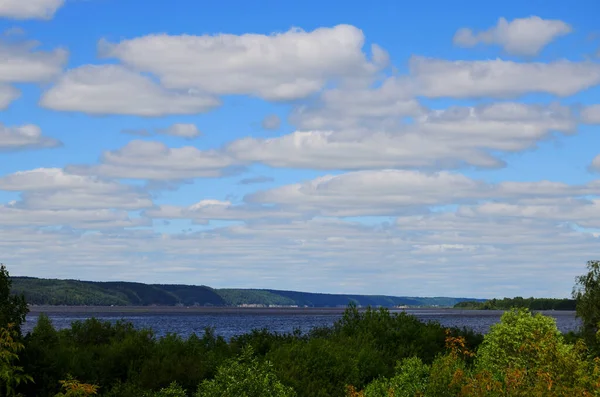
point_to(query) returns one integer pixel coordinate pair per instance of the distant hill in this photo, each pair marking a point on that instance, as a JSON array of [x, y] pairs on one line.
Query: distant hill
[[90, 293]]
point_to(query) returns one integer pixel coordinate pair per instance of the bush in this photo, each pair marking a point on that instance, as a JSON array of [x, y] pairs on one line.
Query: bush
[[245, 377]]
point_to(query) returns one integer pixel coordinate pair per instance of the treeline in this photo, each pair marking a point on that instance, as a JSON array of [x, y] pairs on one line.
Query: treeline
[[519, 302], [371, 353], [78, 293], [123, 361]]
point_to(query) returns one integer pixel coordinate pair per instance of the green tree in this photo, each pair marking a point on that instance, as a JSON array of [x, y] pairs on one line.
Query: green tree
[[245, 377], [532, 344], [410, 380], [174, 390], [11, 375], [13, 308], [587, 294]]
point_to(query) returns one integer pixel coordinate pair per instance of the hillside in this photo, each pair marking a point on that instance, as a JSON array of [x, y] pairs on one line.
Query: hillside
[[90, 293]]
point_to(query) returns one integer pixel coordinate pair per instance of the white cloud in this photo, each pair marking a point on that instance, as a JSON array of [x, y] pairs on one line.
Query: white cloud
[[282, 66], [155, 161], [360, 108], [501, 79], [393, 192], [206, 210], [7, 95], [22, 63], [362, 193], [521, 36], [591, 114], [448, 138], [271, 122], [188, 131], [111, 89], [584, 213], [595, 166], [11, 215], [54, 189], [29, 9], [441, 251], [24, 137]]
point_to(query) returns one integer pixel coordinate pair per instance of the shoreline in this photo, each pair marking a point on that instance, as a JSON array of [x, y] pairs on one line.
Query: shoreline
[[180, 310]]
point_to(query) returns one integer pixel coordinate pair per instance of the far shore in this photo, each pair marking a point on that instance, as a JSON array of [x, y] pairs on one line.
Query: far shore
[[37, 309]]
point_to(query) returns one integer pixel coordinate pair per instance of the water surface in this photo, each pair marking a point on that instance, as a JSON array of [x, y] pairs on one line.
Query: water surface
[[231, 322]]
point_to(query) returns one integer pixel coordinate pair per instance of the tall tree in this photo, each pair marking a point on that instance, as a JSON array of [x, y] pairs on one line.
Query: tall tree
[[587, 294], [13, 308]]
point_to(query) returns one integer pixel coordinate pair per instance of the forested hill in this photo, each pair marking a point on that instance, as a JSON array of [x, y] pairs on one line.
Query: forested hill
[[74, 292]]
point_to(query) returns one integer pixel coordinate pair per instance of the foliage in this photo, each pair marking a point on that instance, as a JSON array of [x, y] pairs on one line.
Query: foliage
[[13, 308], [11, 375], [411, 379], [523, 355], [174, 390], [366, 353], [360, 347], [245, 376], [521, 340], [73, 292], [587, 294], [519, 302], [235, 297], [73, 388]]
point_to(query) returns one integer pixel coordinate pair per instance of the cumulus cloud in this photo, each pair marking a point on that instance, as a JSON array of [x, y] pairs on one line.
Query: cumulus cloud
[[271, 122], [156, 161], [30, 9], [591, 114], [21, 62], [448, 138], [55, 189], [391, 192], [500, 79], [24, 137], [521, 36], [371, 192], [206, 210], [582, 212], [7, 95], [188, 131], [360, 108], [11, 215], [283, 66], [112, 89]]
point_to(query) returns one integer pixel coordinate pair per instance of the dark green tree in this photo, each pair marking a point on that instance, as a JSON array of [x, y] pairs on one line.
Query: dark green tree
[[13, 308], [587, 294]]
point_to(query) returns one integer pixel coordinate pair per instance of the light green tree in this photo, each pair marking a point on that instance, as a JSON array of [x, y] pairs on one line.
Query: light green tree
[[587, 294], [532, 344], [245, 377], [410, 380], [174, 390]]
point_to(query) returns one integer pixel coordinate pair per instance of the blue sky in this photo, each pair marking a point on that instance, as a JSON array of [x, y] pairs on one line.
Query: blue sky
[[423, 148]]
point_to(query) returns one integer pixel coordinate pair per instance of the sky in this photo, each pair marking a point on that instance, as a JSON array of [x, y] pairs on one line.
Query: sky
[[427, 148]]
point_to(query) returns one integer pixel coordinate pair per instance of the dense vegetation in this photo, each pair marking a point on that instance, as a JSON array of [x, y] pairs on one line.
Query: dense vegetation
[[519, 302], [73, 292], [371, 353]]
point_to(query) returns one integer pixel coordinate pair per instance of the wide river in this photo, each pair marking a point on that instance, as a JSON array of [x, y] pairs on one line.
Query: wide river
[[229, 322]]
